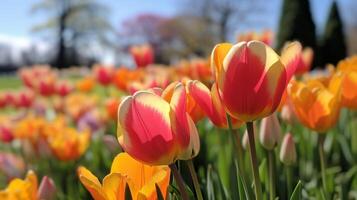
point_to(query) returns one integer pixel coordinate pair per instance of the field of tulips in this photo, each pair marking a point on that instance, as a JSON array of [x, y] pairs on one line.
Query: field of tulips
[[246, 123]]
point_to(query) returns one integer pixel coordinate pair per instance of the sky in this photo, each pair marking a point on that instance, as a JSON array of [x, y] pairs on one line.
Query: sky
[[16, 19]]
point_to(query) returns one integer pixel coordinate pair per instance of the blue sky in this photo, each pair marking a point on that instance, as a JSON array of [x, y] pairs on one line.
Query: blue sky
[[17, 20]]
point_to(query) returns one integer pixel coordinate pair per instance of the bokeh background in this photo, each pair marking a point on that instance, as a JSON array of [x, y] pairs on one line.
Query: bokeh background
[[67, 33]]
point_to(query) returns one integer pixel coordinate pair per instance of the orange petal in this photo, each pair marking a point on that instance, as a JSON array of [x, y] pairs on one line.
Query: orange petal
[[91, 183]]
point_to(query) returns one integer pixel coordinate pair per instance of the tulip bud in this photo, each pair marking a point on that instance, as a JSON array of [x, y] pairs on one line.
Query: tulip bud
[[47, 189], [287, 151], [270, 132]]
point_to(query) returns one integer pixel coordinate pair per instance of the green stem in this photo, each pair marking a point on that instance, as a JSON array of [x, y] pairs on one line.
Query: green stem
[[196, 184], [321, 139], [254, 162], [271, 160], [288, 180], [238, 154], [179, 181]]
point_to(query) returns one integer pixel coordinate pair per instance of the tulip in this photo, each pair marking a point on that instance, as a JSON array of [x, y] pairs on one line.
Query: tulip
[[86, 84], [68, 143], [21, 189], [270, 132], [6, 134], [11, 165], [348, 70], [25, 99], [287, 150], [304, 60], [192, 107], [316, 106], [251, 77], [47, 189], [63, 88], [288, 157], [46, 86], [157, 132], [111, 106], [125, 170], [143, 55], [210, 103], [91, 120], [103, 74]]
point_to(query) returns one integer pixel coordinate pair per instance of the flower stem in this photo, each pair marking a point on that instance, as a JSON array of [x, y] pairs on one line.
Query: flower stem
[[238, 154], [321, 139], [288, 181], [196, 184], [254, 162], [271, 160], [179, 181]]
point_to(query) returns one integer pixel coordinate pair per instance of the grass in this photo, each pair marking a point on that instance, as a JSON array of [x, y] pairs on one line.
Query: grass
[[9, 82]]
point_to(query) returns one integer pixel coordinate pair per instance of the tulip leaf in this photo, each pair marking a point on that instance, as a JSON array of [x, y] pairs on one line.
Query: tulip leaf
[[127, 193], [159, 193], [209, 185], [296, 195]]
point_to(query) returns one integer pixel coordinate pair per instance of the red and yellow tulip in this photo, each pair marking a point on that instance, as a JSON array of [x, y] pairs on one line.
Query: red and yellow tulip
[[157, 132], [125, 170], [192, 108], [210, 103], [251, 77], [143, 55]]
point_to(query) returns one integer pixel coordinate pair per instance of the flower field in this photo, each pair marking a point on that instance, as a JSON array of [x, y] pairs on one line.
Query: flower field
[[248, 122]]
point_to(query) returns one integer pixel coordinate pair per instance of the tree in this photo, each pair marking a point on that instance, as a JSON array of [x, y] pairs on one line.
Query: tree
[[333, 45], [296, 24], [77, 24]]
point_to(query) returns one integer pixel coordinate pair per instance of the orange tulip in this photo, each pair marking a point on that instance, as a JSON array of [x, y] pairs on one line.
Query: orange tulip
[[143, 55], [86, 84], [316, 106], [68, 143], [111, 106], [193, 109], [157, 132], [251, 77], [348, 69], [140, 178], [211, 104]]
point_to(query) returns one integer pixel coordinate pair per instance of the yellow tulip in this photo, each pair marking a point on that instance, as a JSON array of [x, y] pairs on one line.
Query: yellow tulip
[[125, 170], [19, 189]]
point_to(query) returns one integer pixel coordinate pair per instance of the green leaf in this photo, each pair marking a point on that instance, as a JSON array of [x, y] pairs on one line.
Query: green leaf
[[159, 193], [128, 193], [209, 186], [296, 195]]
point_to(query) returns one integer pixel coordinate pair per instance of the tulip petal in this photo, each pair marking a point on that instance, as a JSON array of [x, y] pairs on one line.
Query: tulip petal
[[114, 186], [208, 101], [162, 179], [91, 183], [194, 146], [144, 123], [179, 116], [290, 58], [218, 54]]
